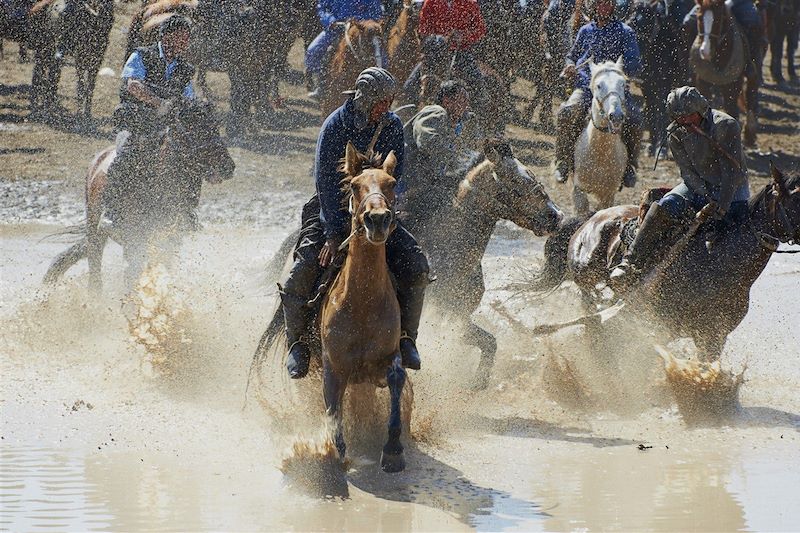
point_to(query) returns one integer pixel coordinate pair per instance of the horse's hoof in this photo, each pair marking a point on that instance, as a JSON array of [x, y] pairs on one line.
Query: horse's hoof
[[391, 463]]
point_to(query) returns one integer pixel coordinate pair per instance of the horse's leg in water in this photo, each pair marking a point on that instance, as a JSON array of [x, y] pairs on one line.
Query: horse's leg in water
[[96, 241], [392, 457], [470, 295], [580, 200], [333, 387]]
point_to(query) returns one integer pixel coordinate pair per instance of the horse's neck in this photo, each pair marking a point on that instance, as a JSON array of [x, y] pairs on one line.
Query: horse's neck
[[599, 139], [365, 267]]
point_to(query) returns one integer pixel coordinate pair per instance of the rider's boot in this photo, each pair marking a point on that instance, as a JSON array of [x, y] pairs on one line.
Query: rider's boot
[[631, 136], [656, 224], [410, 299], [566, 137], [297, 314]]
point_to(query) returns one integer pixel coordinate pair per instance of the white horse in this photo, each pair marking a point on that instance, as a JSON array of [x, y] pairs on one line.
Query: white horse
[[600, 154]]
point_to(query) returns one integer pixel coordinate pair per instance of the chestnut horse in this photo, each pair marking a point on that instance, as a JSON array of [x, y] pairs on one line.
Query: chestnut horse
[[163, 203], [359, 321], [694, 290], [360, 48], [403, 44], [719, 56]]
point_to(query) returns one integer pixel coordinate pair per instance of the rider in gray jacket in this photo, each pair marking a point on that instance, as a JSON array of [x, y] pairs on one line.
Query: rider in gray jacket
[[706, 144]]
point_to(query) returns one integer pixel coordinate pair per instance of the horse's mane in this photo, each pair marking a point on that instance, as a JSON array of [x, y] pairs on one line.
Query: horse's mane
[[368, 161]]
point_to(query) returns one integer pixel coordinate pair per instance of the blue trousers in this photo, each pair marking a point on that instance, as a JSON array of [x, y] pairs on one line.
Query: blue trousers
[[681, 200], [315, 54]]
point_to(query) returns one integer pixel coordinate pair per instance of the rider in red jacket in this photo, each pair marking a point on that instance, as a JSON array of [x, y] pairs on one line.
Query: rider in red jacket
[[461, 23], [459, 20]]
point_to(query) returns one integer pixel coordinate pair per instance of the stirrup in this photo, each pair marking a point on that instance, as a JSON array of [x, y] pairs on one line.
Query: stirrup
[[413, 360]]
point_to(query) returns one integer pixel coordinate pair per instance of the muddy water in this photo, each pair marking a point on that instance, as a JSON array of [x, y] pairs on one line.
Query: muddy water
[[91, 441]]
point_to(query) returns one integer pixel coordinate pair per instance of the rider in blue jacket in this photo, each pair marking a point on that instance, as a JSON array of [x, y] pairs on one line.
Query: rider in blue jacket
[[603, 39], [364, 119], [330, 12]]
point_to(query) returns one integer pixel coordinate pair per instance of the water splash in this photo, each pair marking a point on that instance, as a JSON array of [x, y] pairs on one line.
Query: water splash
[[704, 392], [157, 318]]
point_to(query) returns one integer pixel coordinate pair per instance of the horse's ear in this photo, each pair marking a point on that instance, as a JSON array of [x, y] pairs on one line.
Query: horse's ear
[[778, 179], [389, 163], [621, 63], [352, 162]]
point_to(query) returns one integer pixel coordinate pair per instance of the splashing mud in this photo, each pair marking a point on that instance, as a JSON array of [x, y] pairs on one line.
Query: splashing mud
[[313, 467], [157, 319], [704, 392]]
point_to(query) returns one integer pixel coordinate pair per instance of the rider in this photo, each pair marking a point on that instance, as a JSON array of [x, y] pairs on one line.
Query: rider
[[432, 139], [435, 60], [752, 22], [330, 13], [364, 119], [603, 39], [706, 144], [461, 22], [154, 78]]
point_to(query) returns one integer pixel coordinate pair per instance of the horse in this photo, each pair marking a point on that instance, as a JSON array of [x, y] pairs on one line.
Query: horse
[[403, 44], [784, 24], [360, 47], [454, 224], [696, 289], [161, 207], [658, 27], [718, 57], [600, 154], [83, 32], [359, 320]]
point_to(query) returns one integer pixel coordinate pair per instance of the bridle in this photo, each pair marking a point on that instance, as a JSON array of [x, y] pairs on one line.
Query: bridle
[[601, 102], [786, 231], [360, 225]]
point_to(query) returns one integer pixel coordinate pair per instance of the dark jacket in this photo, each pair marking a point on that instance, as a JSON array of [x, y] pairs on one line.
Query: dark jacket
[[339, 128], [704, 169]]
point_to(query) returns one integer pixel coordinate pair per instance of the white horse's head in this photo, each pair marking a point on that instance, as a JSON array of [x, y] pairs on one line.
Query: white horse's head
[[608, 94]]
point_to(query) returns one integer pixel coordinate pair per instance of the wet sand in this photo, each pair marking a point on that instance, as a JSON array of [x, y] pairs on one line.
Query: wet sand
[[90, 441]]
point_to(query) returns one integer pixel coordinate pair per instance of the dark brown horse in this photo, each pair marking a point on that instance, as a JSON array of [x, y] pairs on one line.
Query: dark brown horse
[[454, 225], [359, 321], [161, 206], [359, 48], [696, 290], [718, 56]]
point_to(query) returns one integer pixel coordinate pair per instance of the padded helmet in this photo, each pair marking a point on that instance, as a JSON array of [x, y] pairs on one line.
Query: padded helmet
[[686, 100]]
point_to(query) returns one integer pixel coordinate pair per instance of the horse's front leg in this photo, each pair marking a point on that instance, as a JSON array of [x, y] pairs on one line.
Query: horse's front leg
[[333, 387], [487, 344], [392, 457], [580, 200]]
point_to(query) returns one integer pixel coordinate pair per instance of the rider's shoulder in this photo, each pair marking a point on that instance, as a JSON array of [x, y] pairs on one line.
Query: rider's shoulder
[[626, 28], [724, 123]]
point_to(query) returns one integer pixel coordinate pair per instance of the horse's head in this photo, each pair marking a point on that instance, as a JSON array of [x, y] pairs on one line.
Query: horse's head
[[782, 206], [372, 197], [710, 20], [364, 39], [196, 137], [512, 191], [608, 94]]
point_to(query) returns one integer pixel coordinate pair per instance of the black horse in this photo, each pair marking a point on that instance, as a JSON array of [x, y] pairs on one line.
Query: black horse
[[696, 289], [658, 27]]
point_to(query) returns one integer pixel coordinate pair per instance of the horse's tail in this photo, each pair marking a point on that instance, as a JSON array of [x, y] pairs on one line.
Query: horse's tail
[[554, 271], [70, 256], [275, 332]]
